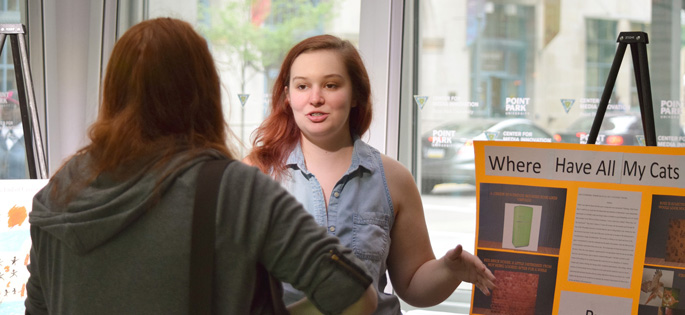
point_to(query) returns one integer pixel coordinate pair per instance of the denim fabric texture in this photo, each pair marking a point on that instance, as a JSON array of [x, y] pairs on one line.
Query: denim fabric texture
[[360, 213]]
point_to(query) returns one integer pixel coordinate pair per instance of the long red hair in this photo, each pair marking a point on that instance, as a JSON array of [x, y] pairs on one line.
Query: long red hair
[[278, 134], [161, 96]]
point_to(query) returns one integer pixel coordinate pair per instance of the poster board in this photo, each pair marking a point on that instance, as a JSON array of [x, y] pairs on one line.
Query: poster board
[[581, 229], [16, 197]]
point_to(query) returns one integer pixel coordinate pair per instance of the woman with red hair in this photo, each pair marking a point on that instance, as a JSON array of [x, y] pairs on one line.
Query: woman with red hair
[[111, 231], [321, 106]]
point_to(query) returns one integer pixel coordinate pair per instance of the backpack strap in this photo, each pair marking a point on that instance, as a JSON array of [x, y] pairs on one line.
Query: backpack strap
[[203, 235]]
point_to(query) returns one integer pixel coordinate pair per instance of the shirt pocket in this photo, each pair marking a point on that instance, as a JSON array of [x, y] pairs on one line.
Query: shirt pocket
[[371, 236]]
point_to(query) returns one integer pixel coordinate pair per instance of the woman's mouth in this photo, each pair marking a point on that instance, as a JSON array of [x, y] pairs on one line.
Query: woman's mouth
[[317, 117]]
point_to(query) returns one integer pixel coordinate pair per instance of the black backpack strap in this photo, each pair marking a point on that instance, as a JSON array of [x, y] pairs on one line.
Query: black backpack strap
[[203, 234]]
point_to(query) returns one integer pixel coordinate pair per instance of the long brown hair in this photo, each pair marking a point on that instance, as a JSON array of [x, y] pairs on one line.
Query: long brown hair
[[278, 134], [161, 96]]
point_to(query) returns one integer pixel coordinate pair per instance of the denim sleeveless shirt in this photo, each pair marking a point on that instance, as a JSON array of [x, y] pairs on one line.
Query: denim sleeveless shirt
[[360, 213]]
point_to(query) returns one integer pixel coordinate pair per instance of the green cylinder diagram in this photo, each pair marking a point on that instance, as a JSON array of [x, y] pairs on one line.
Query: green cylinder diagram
[[523, 218]]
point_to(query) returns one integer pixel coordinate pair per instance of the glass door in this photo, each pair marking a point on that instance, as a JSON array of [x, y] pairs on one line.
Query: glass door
[[520, 70]]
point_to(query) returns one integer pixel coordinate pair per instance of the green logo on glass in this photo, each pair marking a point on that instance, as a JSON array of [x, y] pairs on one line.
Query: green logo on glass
[[640, 139], [243, 98], [567, 103], [491, 135], [420, 100]]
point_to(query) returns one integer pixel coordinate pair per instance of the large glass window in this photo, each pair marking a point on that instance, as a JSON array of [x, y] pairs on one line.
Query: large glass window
[[249, 39], [13, 159], [601, 47], [523, 70]]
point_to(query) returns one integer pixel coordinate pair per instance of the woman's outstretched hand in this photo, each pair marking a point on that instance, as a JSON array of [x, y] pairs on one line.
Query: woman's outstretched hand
[[470, 268]]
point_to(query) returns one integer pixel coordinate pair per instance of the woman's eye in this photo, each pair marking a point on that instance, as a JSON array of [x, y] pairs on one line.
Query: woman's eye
[[301, 86], [331, 86]]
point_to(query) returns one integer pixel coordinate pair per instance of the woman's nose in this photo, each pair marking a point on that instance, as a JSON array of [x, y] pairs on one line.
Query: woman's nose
[[316, 98]]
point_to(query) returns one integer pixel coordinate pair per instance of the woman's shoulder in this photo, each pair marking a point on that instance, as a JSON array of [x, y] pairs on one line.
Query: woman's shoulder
[[394, 170], [239, 169], [243, 174], [401, 184], [247, 160]]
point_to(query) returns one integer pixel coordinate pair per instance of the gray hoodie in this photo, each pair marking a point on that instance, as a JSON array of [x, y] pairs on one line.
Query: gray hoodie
[[123, 247]]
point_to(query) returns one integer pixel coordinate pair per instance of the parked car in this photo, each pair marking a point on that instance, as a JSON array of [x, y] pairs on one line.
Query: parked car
[[447, 150], [616, 129]]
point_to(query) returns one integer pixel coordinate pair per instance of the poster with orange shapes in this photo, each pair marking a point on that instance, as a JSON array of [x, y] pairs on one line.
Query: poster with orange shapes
[[15, 241]]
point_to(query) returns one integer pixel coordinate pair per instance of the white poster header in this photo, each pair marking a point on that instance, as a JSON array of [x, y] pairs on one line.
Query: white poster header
[[589, 166]]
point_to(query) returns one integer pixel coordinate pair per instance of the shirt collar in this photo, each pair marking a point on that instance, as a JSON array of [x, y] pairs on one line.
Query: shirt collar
[[362, 156]]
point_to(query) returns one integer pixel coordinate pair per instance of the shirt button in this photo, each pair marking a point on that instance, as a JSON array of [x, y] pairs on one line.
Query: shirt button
[[332, 228], [336, 194]]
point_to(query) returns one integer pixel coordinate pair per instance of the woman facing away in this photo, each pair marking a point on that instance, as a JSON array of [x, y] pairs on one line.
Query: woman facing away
[[111, 230], [310, 142]]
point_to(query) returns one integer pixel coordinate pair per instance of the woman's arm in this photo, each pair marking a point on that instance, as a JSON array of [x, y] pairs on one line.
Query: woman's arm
[[418, 277]]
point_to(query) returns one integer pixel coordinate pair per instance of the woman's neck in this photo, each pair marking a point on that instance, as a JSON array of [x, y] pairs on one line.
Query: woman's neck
[[328, 162], [330, 152], [325, 145]]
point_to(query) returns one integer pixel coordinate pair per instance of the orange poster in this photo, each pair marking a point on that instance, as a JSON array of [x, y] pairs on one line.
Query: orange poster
[[581, 229]]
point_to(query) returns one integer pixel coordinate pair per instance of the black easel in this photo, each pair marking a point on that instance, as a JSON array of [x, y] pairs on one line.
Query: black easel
[[35, 154], [638, 48]]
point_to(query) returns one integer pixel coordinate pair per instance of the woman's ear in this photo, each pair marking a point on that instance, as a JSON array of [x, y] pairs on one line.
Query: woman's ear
[[287, 94]]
